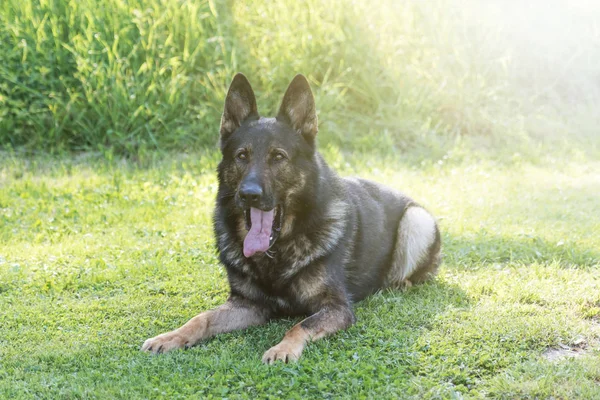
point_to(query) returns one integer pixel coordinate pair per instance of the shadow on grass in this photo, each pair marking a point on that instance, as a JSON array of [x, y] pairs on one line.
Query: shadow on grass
[[390, 323], [387, 321], [482, 250]]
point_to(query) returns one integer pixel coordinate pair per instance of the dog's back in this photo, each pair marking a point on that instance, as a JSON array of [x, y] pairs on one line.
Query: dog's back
[[392, 241]]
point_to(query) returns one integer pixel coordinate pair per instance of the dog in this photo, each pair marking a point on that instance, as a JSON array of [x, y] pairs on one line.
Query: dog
[[294, 237]]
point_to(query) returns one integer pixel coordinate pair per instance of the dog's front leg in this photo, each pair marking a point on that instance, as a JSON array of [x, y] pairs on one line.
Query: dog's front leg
[[235, 314], [321, 324]]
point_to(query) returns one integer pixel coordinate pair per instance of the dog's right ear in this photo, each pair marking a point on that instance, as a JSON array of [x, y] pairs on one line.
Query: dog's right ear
[[240, 105], [298, 108]]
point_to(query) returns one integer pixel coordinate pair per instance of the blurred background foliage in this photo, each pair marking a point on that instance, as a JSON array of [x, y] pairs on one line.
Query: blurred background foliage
[[430, 78]]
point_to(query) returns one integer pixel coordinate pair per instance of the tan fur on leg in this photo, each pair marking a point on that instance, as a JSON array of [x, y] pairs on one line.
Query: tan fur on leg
[[226, 318], [313, 328]]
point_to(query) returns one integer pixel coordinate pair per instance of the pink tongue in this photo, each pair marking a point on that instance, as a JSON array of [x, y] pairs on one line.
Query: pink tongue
[[258, 237]]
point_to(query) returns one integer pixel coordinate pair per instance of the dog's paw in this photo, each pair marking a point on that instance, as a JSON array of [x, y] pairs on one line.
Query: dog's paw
[[286, 352], [165, 343]]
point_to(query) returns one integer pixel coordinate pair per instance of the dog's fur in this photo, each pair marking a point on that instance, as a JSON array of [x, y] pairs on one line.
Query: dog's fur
[[334, 240]]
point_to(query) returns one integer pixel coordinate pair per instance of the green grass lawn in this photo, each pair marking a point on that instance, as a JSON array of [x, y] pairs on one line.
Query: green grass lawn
[[96, 256], [99, 254]]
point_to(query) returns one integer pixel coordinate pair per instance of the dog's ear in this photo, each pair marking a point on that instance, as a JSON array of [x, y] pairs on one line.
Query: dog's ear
[[298, 108], [240, 105]]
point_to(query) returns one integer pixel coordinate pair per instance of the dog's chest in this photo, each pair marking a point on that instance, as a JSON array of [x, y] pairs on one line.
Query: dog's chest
[[267, 281], [288, 280]]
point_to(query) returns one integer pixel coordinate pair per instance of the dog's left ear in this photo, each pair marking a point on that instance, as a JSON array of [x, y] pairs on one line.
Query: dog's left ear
[[298, 108], [240, 104]]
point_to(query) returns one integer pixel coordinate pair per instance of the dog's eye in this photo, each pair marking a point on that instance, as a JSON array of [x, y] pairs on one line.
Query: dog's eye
[[242, 155], [279, 156]]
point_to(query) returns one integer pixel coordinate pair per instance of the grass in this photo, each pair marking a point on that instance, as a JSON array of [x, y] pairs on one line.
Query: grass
[[96, 256], [130, 77], [485, 112]]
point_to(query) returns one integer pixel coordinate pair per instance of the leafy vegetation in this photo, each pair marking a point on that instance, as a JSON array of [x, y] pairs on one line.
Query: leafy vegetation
[[139, 75]]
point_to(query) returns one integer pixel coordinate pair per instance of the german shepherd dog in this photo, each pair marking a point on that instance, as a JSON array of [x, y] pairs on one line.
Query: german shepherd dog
[[294, 237]]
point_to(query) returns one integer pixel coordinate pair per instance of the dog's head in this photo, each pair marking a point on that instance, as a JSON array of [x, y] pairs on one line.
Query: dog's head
[[266, 160]]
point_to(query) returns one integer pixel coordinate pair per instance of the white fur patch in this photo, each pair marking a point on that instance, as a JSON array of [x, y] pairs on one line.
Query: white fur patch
[[416, 234]]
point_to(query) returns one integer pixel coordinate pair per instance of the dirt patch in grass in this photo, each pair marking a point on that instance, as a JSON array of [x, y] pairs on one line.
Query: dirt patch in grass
[[578, 348]]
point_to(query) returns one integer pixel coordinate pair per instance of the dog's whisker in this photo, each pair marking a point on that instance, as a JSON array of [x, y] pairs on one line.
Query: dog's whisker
[[225, 196]]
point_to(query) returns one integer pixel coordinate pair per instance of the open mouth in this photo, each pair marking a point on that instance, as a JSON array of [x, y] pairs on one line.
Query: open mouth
[[263, 229]]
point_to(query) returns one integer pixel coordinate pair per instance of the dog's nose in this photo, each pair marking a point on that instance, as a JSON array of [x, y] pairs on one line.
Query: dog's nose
[[251, 193]]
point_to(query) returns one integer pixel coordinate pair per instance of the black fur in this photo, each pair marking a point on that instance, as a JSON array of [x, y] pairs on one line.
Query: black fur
[[343, 232], [333, 240]]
